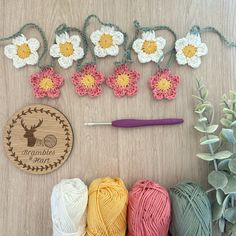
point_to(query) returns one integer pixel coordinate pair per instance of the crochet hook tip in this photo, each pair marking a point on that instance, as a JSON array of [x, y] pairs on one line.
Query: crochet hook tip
[[100, 123]]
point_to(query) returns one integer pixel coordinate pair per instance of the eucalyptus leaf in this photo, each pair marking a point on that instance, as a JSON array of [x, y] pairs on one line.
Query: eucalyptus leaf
[[202, 120], [231, 185], [224, 165], [199, 111], [222, 225], [217, 211], [210, 129], [220, 196], [233, 230], [233, 124], [225, 122], [217, 179], [223, 155], [229, 111], [230, 215], [210, 139], [229, 135], [206, 156], [232, 165]]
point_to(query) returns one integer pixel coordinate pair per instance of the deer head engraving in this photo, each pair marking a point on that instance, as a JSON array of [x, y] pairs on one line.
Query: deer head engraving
[[29, 132]]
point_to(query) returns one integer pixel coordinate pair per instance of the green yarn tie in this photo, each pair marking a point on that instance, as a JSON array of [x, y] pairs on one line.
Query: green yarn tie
[[197, 30]]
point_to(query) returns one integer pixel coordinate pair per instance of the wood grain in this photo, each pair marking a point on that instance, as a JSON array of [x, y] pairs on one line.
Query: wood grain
[[164, 154]]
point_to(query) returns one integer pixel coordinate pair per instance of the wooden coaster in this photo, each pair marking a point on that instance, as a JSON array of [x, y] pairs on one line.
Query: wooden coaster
[[38, 139]]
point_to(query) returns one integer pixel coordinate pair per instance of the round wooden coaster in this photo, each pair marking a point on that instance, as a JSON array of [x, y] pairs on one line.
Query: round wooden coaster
[[38, 139]]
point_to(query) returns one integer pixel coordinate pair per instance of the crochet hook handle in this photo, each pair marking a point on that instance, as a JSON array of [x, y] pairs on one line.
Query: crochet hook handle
[[128, 123]]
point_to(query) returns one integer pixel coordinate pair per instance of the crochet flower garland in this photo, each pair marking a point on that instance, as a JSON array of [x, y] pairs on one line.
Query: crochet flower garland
[[72, 45]]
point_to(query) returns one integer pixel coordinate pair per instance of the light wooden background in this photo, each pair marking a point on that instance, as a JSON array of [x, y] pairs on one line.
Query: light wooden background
[[163, 154]]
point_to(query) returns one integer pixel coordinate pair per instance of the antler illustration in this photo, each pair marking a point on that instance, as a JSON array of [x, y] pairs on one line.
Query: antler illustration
[[23, 125], [38, 125]]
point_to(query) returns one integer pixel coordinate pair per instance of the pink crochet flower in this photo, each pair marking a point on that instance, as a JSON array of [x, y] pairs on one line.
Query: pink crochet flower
[[164, 84], [46, 83], [88, 81], [123, 81]]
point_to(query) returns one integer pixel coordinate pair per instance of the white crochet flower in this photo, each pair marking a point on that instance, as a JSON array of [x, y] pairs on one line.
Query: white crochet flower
[[149, 47], [106, 41], [23, 51], [190, 49], [67, 49]]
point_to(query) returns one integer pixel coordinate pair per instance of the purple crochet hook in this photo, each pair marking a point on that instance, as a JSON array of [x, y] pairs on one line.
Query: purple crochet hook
[[129, 123]]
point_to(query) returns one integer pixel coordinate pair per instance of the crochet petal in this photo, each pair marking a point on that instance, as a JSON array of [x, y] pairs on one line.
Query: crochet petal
[[100, 52], [144, 58], [149, 35], [113, 50], [137, 45], [95, 91], [10, 51], [78, 53], [180, 44], [75, 40], [118, 38], [202, 50], [33, 44], [55, 50], [18, 62], [32, 59], [194, 39], [157, 55], [53, 93], [65, 62], [181, 59], [19, 40], [161, 42], [132, 90], [194, 61], [95, 36], [62, 38]]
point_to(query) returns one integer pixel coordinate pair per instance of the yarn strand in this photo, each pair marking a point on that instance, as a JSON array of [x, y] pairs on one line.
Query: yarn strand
[[197, 30]]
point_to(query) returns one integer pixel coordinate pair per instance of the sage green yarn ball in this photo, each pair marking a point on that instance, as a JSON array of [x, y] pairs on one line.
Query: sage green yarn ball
[[191, 210]]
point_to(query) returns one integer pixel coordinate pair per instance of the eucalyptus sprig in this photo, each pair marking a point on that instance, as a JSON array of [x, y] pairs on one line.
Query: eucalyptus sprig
[[221, 152]]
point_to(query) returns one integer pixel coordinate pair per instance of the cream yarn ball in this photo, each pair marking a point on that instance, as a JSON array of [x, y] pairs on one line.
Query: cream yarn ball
[[69, 208]]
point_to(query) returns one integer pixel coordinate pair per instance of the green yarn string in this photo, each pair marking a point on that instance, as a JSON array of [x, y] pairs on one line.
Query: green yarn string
[[197, 30], [171, 51], [191, 210], [64, 28], [86, 24], [42, 34]]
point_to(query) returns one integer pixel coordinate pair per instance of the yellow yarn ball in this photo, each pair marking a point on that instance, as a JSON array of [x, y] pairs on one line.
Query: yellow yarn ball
[[107, 206]]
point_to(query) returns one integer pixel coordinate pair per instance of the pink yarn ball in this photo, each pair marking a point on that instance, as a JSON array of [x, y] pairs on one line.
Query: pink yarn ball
[[149, 210]]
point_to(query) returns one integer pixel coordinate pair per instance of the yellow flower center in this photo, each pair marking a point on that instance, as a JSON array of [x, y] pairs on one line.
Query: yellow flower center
[[163, 84], [149, 46], [106, 41], [46, 84], [189, 50], [23, 51], [66, 49], [122, 80], [88, 81]]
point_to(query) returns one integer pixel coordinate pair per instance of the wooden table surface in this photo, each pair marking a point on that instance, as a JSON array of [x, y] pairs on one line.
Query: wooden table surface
[[164, 154]]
